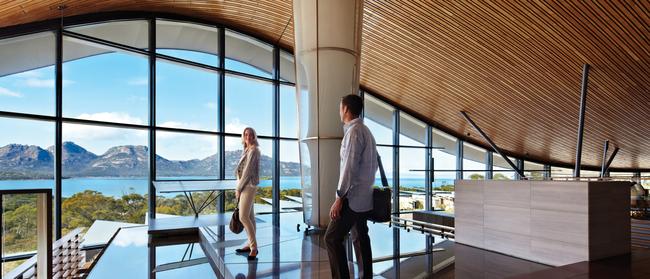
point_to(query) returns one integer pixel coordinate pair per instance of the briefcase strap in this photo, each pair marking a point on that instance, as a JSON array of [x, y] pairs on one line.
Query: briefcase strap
[[384, 181]]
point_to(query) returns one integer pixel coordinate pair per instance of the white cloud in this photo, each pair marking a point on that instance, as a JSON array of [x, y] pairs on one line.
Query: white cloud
[[9, 93], [44, 83], [138, 81], [39, 83], [28, 74], [235, 126], [118, 117]]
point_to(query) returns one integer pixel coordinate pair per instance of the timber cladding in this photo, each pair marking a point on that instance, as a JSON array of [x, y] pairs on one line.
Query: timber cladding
[[514, 66]]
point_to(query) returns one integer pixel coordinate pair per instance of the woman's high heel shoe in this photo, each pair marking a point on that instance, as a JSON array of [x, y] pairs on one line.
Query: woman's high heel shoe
[[242, 250], [253, 255]]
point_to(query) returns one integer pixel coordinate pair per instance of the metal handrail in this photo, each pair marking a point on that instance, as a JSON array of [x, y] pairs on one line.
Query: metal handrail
[[444, 231]]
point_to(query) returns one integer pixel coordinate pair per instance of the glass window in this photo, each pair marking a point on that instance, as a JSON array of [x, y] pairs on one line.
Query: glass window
[[19, 215], [104, 84], [412, 132], [558, 172], [26, 154], [473, 162], [234, 148], [533, 171], [444, 165], [186, 97], [290, 189], [249, 103], [378, 116], [502, 170], [288, 112], [412, 162], [27, 82], [134, 33], [622, 175], [189, 41], [106, 174], [186, 156], [645, 180], [589, 174], [26, 161], [248, 55], [287, 67]]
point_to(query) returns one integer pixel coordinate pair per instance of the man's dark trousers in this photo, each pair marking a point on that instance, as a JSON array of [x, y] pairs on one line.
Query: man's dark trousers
[[335, 235]]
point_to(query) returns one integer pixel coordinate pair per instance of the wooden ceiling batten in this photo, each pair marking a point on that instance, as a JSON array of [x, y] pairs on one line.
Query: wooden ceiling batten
[[515, 66]]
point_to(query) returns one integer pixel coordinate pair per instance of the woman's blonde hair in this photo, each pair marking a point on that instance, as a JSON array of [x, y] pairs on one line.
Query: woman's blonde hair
[[243, 135]]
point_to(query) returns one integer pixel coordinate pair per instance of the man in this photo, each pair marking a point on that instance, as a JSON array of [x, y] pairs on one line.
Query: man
[[354, 195]]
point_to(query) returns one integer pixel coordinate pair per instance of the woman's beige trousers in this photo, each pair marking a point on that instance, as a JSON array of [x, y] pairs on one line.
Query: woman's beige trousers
[[247, 213]]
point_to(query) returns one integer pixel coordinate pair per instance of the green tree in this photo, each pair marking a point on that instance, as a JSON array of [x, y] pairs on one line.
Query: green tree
[[476, 176]]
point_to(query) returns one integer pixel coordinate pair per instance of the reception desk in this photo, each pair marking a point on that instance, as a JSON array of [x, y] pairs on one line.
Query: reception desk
[[550, 222]]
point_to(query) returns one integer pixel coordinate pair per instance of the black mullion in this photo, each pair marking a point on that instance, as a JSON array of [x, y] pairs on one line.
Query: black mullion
[[221, 203], [187, 62], [152, 117], [459, 158], [58, 141], [489, 164], [428, 167], [103, 123], [105, 42], [231, 72], [276, 134], [27, 116]]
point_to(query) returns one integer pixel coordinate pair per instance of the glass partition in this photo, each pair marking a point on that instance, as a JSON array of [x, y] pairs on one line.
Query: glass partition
[[444, 158], [378, 116], [412, 132], [104, 84], [501, 168], [534, 171], [27, 74], [186, 97], [249, 103], [248, 55], [473, 162], [106, 172], [133, 33], [412, 162], [288, 112], [189, 41]]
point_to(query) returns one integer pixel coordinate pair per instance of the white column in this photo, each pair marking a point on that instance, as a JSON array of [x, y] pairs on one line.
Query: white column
[[327, 51]]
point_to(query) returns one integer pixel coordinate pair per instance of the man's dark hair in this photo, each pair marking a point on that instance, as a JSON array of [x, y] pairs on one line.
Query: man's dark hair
[[354, 103]]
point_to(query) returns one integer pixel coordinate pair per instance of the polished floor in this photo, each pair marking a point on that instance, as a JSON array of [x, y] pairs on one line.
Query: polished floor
[[287, 252]]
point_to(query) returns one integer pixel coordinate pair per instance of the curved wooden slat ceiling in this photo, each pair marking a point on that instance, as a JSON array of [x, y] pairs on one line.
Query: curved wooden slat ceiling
[[515, 66]]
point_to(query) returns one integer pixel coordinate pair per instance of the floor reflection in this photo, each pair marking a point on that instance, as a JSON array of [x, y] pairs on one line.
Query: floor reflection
[[286, 252]]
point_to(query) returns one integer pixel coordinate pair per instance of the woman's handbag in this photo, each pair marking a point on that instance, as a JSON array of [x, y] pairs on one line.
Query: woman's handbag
[[235, 224], [381, 198]]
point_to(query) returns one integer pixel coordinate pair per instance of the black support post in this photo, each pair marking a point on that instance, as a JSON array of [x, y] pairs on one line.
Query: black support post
[[152, 117], [609, 162], [604, 161], [396, 161], [58, 141], [581, 120], [494, 146], [459, 159]]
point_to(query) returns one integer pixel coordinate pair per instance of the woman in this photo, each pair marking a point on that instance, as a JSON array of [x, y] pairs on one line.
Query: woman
[[248, 176]]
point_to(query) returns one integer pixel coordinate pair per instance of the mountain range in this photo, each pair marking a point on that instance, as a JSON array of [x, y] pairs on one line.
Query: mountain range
[[30, 161]]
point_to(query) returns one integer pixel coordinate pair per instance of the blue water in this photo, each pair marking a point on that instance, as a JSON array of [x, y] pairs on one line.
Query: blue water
[[116, 187]]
